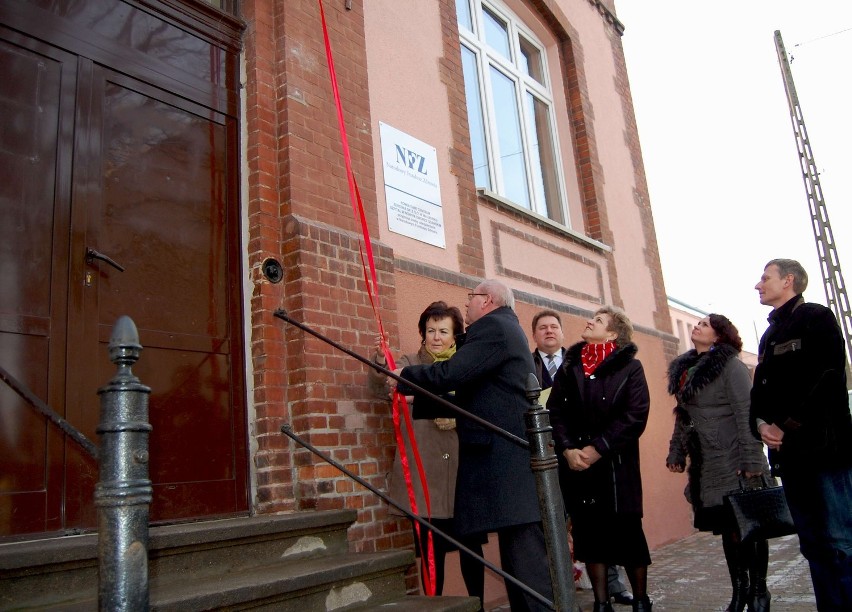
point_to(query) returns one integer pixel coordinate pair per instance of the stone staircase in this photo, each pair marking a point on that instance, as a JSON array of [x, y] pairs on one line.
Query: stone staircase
[[290, 563]]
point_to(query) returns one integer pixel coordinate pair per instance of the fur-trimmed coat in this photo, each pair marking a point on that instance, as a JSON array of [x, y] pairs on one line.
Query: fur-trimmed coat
[[712, 423], [609, 411]]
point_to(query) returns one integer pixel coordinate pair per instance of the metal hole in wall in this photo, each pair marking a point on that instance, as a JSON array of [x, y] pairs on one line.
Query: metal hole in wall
[[272, 270]]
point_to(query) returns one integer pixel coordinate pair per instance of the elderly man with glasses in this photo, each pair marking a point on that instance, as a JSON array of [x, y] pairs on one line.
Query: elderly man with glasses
[[495, 489]]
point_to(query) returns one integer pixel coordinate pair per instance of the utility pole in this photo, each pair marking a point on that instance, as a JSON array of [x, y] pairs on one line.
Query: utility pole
[[832, 277]]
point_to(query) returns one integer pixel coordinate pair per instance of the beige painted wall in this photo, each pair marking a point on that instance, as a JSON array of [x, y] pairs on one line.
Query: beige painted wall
[[407, 92]]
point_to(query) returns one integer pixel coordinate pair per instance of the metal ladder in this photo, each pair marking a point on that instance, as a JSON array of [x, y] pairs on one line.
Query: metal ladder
[[835, 288]]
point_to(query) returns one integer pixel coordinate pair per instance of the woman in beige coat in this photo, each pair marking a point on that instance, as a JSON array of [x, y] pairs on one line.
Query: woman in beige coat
[[435, 433]]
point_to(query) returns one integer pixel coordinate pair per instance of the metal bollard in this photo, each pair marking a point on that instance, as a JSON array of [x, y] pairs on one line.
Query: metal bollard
[[123, 494], [545, 467]]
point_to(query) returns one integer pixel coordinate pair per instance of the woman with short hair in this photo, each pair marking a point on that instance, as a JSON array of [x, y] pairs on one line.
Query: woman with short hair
[[434, 428], [599, 407]]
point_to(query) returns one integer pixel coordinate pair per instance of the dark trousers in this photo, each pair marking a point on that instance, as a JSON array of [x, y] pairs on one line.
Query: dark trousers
[[820, 503], [523, 555]]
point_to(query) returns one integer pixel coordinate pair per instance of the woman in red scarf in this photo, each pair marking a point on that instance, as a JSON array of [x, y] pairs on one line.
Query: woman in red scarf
[[598, 408]]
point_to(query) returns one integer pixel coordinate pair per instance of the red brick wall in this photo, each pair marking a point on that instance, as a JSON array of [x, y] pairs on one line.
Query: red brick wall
[[299, 211]]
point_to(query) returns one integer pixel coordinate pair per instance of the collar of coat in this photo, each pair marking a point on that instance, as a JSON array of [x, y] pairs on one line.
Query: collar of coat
[[708, 367], [619, 358], [780, 314]]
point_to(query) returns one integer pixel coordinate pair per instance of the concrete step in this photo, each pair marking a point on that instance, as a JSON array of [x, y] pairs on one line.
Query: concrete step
[[69, 564], [289, 563], [414, 603]]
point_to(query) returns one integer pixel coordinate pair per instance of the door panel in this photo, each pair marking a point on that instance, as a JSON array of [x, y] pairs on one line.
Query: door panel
[[91, 158], [161, 212], [36, 106]]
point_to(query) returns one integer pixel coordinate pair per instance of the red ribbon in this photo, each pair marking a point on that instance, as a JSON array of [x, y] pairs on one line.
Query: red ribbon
[[400, 405]]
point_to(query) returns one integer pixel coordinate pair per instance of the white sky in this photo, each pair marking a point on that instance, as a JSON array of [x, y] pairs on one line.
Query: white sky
[[720, 153]]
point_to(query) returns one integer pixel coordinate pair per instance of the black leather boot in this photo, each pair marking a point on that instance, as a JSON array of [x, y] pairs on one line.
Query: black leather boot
[[642, 604], [759, 596], [738, 570], [739, 582], [602, 607], [760, 600]]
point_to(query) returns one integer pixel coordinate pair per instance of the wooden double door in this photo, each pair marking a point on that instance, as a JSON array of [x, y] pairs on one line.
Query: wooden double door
[[110, 156]]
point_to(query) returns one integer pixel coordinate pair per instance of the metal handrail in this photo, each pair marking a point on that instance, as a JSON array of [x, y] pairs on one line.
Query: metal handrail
[[543, 464], [287, 430], [282, 314], [66, 427]]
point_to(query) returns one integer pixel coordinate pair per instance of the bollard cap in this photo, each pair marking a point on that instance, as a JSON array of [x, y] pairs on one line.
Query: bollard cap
[[124, 346]]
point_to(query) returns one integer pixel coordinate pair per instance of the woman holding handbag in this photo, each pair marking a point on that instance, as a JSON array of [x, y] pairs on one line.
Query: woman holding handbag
[[712, 388]]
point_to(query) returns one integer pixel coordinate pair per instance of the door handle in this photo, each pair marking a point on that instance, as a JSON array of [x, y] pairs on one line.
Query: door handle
[[92, 254]]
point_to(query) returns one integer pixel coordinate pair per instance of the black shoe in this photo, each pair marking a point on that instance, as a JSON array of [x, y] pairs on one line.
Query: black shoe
[[741, 593], [602, 607], [624, 598], [642, 604], [759, 602]]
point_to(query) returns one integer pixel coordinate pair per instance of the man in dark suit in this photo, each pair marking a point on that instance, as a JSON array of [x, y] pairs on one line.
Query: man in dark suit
[[548, 338], [495, 489], [547, 356]]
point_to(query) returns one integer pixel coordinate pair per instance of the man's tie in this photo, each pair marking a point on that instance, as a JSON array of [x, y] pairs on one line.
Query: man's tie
[[551, 366]]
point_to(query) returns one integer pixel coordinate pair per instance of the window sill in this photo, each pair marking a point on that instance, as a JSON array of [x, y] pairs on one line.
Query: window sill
[[505, 204]]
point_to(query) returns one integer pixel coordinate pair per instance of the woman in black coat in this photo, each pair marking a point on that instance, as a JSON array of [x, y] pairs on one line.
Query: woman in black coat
[[598, 408]]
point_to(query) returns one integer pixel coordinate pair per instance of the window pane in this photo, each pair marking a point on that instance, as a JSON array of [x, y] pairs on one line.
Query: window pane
[[496, 33], [481, 174], [509, 137], [543, 160], [463, 12], [530, 60]]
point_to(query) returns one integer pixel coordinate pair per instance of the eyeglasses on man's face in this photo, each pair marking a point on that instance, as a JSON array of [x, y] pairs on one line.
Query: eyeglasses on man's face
[[470, 296]]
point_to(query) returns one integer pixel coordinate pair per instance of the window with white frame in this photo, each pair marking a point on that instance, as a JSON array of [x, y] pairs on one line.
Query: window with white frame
[[510, 109]]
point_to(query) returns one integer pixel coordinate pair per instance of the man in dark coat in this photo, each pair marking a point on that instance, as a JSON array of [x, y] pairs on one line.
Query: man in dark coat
[[495, 489], [800, 409], [549, 352]]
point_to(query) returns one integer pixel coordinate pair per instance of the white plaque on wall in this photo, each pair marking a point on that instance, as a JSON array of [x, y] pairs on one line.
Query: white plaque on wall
[[412, 190]]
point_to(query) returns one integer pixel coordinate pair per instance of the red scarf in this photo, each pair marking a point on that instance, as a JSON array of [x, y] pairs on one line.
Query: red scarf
[[593, 354]]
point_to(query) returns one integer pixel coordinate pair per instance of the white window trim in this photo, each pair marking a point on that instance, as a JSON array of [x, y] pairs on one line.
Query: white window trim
[[485, 58]]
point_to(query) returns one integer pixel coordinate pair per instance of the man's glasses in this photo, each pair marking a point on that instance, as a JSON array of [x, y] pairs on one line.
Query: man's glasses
[[471, 295]]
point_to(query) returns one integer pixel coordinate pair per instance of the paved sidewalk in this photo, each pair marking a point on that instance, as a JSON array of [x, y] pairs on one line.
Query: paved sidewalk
[[691, 575]]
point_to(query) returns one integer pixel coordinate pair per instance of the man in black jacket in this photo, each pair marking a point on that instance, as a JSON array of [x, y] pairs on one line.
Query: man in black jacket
[[800, 409], [495, 488]]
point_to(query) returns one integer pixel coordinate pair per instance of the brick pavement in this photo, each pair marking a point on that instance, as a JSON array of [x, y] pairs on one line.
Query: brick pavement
[[691, 576]]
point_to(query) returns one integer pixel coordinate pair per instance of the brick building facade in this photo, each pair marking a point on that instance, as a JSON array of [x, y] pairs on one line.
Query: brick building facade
[[298, 209], [207, 134]]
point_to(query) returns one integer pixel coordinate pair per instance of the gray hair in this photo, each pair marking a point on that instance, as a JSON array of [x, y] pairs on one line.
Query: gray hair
[[791, 266], [500, 294]]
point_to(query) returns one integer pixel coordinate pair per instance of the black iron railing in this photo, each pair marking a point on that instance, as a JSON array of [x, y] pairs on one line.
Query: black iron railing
[[542, 462]]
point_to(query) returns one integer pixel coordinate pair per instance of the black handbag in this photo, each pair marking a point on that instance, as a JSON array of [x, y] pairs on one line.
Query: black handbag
[[760, 513]]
